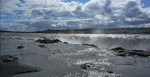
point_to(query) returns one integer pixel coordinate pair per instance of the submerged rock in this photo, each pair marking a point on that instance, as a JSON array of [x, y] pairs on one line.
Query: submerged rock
[[46, 40], [122, 52], [86, 65], [42, 46], [20, 47], [92, 45], [8, 58]]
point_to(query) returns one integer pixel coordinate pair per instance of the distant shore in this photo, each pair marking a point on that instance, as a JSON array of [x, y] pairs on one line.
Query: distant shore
[[92, 31]]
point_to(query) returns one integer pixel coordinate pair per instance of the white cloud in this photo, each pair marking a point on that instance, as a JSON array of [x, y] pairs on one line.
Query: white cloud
[[43, 14]]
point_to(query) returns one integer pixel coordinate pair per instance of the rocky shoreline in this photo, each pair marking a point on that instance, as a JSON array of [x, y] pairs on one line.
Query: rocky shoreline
[[9, 66]]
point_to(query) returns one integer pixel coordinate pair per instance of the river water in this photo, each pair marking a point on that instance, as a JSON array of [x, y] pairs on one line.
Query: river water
[[64, 60]]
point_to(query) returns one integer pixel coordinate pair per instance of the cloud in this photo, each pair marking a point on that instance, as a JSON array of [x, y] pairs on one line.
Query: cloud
[[31, 15]]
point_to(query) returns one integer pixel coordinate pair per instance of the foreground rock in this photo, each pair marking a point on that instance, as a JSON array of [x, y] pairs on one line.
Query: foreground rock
[[42, 46], [123, 52], [46, 40], [86, 65], [20, 47], [8, 58], [92, 45], [9, 66]]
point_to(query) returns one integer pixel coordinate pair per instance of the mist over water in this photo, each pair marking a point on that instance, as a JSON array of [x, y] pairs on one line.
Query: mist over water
[[127, 41], [108, 41]]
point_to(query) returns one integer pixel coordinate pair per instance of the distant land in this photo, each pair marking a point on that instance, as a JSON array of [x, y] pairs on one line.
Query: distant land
[[93, 31]]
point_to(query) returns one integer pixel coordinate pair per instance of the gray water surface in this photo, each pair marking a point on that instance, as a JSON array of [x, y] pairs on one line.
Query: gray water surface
[[64, 60]]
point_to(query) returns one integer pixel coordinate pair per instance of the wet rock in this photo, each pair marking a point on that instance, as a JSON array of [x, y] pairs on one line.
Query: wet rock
[[86, 65], [9, 69], [46, 40], [92, 45], [110, 71], [134, 53], [29, 70], [8, 58], [118, 49], [20, 47], [137, 53], [42, 46], [65, 42]]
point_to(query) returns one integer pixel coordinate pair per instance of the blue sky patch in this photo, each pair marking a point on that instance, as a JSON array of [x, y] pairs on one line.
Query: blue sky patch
[[81, 1], [146, 3]]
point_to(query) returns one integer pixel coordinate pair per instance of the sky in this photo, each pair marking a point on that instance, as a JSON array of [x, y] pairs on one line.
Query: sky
[[35, 15]]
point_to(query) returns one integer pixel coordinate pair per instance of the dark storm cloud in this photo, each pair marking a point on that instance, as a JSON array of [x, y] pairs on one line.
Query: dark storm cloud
[[132, 10], [137, 22]]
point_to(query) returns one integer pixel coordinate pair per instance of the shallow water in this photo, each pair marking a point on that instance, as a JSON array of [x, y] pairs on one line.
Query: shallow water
[[64, 60], [127, 41]]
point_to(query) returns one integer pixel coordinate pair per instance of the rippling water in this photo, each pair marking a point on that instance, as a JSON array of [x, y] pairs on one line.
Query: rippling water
[[64, 60], [128, 41]]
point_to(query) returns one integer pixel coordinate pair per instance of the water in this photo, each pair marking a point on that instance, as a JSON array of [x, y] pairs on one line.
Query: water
[[127, 41], [64, 60]]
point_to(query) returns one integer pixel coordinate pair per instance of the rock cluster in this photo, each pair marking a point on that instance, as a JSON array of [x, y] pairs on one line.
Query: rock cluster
[[42, 46], [123, 52], [46, 40], [92, 45], [8, 58], [86, 65]]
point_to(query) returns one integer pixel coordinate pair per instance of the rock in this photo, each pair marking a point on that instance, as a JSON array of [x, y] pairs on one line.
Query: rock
[[92, 45], [42, 46], [46, 40], [8, 58], [134, 53], [142, 54], [20, 47], [9, 69], [118, 48], [86, 65], [65, 42], [110, 71], [29, 70]]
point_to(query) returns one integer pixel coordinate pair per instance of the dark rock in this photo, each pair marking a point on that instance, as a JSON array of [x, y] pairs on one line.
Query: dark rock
[[118, 48], [8, 58], [134, 53], [42, 46], [65, 42], [138, 53], [20, 47], [29, 71], [46, 40], [86, 65], [92, 45], [138, 50], [13, 68], [110, 71]]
